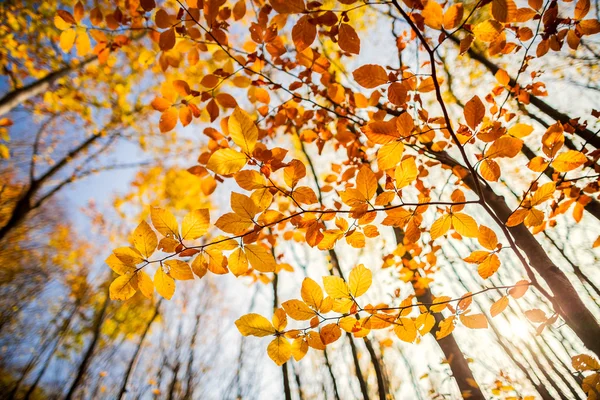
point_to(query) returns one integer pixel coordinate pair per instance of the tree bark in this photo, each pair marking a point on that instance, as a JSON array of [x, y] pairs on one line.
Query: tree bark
[[571, 308], [19, 96], [87, 357], [585, 134], [138, 349]]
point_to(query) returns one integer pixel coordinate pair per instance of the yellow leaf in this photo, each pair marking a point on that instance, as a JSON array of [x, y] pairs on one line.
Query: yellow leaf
[[144, 239], [370, 76], [67, 38], [243, 206], [490, 170], [279, 350], [128, 255], [519, 290], [505, 146], [195, 224], [536, 315], [446, 328], [179, 270], [254, 325], [250, 180], [389, 155], [517, 217], [279, 320], [499, 306], [439, 304], [474, 112], [405, 124], [164, 222], [465, 225], [233, 223], [406, 172], [425, 323], [433, 14], [226, 161], [381, 132], [405, 329], [83, 44], [504, 10], [569, 161], [122, 288], [168, 119], [299, 348], [164, 284], [487, 31], [238, 262], [366, 183], [119, 266], [453, 16], [260, 258], [487, 238], [242, 130], [311, 293], [292, 173], [474, 321], [583, 362], [145, 284], [440, 227], [488, 266], [520, 130], [330, 333], [543, 193], [359, 281], [336, 287], [298, 310]]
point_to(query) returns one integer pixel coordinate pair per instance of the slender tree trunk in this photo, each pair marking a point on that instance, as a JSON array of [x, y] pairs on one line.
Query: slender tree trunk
[[138, 349], [336, 393], [89, 353], [19, 96], [570, 306], [585, 134], [189, 390], [458, 364], [63, 329], [361, 379], [298, 382], [284, 370], [382, 389], [26, 203]]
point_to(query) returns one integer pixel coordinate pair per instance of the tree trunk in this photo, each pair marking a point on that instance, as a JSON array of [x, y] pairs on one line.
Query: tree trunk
[[137, 351], [19, 96], [585, 134], [571, 307], [89, 353]]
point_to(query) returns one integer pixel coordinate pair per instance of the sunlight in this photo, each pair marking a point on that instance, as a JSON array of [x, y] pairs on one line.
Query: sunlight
[[514, 328]]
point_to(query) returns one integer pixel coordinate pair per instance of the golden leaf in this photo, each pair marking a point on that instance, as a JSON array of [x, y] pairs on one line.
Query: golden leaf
[[474, 321], [260, 258], [144, 239], [164, 284], [359, 280], [254, 325], [298, 310], [336, 287], [242, 130], [226, 161], [122, 287], [370, 76]]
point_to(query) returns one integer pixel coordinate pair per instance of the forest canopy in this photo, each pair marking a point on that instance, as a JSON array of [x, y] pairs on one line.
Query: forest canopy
[[394, 198]]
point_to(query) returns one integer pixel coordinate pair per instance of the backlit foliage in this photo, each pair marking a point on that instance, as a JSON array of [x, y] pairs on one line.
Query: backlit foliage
[[268, 78]]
